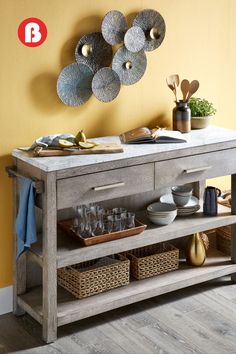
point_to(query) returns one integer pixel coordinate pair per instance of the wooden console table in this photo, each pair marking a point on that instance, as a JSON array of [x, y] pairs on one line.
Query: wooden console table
[[132, 179]]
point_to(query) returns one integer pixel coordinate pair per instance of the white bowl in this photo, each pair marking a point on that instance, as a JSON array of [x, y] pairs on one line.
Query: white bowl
[[161, 213], [160, 220]]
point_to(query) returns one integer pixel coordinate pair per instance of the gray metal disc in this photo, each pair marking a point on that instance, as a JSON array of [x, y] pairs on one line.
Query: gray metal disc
[[99, 55], [134, 39], [151, 20], [129, 66], [106, 84], [114, 26], [74, 84]]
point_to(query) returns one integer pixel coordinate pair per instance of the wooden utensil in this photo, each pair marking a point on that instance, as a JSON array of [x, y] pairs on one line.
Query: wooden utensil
[[172, 86], [174, 80], [193, 87], [185, 88]]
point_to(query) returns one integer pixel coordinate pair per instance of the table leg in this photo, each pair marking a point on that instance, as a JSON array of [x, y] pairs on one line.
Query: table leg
[[19, 265], [233, 236], [49, 259]]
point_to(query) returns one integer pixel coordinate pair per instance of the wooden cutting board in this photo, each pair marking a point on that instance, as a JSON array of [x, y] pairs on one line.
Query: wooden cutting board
[[109, 148]]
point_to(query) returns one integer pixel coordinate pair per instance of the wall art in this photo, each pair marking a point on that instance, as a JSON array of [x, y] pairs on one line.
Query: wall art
[[96, 71]]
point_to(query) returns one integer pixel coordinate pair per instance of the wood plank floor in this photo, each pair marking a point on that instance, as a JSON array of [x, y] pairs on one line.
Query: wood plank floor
[[197, 320]]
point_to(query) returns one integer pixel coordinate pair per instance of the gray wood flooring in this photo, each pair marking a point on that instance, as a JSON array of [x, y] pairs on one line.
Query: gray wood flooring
[[197, 320]]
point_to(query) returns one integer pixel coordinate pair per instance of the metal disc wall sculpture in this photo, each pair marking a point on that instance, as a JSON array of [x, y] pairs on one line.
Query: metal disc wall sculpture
[[153, 25], [129, 66], [91, 72], [114, 26], [106, 84], [74, 84], [134, 39], [94, 51]]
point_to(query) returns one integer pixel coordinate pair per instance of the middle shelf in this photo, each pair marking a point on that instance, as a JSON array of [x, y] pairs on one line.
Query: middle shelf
[[69, 251]]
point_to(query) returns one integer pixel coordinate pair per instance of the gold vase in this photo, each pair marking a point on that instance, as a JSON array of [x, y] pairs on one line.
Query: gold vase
[[195, 251]]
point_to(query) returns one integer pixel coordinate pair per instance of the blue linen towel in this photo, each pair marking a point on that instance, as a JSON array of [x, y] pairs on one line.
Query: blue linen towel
[[25, 221]]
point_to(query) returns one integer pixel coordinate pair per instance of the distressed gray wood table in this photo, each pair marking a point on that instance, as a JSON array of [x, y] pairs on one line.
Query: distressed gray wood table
[[132, 179]]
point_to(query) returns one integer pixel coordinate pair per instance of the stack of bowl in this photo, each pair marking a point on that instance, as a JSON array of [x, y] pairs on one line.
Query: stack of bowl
[[181, 194], [161, 213]]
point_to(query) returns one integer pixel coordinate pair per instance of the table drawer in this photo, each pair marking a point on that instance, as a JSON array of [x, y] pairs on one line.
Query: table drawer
[[194, 168], [105, 185]]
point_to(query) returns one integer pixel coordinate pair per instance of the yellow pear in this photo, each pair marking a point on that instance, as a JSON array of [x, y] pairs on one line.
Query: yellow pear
[[65, 143], [86, 145], [80, 137]]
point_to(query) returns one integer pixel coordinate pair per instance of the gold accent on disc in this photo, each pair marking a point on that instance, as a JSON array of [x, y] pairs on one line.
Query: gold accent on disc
[[86, 50], [128, 65], [154, 33]]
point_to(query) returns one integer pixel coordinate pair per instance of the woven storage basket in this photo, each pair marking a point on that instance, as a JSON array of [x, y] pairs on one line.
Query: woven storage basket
[[88, 278], [152, 260], [223, 239]]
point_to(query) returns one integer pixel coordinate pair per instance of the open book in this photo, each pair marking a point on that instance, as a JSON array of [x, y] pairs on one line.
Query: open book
[[157, 135]]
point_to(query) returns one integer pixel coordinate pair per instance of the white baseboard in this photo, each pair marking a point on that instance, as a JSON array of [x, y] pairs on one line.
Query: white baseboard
[[6, 299]]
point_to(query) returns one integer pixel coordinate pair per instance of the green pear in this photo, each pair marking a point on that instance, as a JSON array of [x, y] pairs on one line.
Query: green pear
[[80, 137]]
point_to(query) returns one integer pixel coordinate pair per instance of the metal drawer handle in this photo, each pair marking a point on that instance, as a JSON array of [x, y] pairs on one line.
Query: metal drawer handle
[[198, 169], [109, 186]]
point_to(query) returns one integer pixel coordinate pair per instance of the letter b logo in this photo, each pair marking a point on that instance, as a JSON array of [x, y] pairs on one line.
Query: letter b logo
[[32, 32]]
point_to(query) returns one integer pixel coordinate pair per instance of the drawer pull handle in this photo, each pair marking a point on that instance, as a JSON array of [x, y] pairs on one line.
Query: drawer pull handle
[[198, 169], [109, 186]]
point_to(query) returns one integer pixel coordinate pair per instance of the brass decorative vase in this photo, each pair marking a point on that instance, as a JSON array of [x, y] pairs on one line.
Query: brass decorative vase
[[195, 251]]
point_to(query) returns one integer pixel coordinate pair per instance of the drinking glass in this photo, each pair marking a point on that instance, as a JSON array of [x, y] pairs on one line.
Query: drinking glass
[[123, 222], [130, 220], [100, 226], [108, 226], [117, 223], [108, 212], [119, 210]]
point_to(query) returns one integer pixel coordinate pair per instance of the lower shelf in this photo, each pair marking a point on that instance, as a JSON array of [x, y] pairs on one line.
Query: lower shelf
[[70, 309]]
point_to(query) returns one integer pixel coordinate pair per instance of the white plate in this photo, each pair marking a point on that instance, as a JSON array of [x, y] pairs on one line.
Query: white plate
[[167, 198], [189, 211]]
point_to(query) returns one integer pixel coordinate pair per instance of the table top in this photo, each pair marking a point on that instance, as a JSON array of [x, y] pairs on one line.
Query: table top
[[199, 141]]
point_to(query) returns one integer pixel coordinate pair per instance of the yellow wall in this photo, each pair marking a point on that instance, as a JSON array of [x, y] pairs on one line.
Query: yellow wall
[[199, 44]]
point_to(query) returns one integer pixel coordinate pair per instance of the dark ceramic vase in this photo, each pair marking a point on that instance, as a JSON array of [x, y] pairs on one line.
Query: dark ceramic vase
[[182, 117]]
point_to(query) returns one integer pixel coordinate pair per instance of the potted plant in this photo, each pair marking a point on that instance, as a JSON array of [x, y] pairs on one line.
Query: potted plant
[[201, 112]]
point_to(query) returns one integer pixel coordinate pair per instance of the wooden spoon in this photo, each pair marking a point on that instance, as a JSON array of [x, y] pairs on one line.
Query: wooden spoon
[[193, 87], [174, 79], [185, 88], [171, 86], [173, 83]]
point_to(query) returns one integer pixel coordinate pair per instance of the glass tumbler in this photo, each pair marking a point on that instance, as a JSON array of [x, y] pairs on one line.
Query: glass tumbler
[[130, 222]]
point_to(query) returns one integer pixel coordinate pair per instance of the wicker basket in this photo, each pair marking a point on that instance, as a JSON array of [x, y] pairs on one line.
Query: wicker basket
[[96, 276], [223, 239], [153, 260]]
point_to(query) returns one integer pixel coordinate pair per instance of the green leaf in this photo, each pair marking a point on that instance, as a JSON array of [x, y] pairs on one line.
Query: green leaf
[[200, 107]]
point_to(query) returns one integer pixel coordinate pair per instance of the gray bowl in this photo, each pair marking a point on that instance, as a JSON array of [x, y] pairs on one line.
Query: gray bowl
[[182, 190], [181, 200]]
